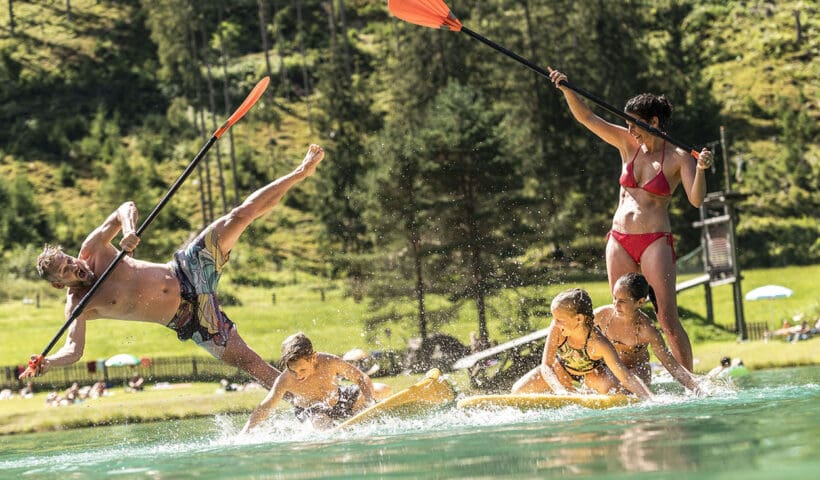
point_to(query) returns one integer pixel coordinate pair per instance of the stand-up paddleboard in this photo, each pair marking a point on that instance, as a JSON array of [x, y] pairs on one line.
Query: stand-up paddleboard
[[430, 392], [534, 401]]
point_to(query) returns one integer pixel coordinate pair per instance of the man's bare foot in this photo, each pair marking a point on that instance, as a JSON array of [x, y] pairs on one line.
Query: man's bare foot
[[314, 155]]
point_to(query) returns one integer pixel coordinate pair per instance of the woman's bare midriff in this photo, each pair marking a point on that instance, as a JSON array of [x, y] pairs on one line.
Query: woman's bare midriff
[[641, 212]]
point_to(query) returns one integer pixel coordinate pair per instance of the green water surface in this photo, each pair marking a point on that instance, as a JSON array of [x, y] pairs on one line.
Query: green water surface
[[765, 427]]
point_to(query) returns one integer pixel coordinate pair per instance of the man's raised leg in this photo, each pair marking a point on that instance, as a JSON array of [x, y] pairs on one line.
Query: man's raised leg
[[238, 354], [229, 227]]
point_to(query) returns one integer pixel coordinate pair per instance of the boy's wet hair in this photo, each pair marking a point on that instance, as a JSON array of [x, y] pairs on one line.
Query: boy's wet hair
[[574, 300], [638, 288], [45, 260], [648, 105], [295, 347]]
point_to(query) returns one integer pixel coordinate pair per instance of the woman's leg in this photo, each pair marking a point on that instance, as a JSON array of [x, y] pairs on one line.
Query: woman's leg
[[618, 262], [658, 266]]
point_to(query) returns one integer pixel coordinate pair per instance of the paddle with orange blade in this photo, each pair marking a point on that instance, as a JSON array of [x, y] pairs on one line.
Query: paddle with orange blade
[[436, 14], [36, 362]]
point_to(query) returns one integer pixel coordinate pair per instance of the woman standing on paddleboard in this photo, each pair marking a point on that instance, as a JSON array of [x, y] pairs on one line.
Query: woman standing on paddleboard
[[631, 331], [641, 239]]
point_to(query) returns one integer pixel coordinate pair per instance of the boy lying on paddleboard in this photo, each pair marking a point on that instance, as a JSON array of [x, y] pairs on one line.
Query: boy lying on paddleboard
[[310, 380]]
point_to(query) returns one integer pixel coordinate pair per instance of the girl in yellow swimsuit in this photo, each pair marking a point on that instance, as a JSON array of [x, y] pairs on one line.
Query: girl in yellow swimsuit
[[576, 350]]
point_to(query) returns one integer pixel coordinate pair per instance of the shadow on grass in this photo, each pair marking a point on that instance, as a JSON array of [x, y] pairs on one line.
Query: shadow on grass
[[701, 330]]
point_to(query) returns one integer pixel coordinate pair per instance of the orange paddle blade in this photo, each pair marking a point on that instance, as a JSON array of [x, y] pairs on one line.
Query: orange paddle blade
[[427, 13], [240, 112]]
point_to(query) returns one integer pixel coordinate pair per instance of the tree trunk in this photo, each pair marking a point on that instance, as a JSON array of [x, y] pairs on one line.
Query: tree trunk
[[331, 25], [11, 17], [227, 100], [476, 265], [415, 242], [305, 76], [199, 120], [68, 10], [537, 85], [206, 218], [798, 27], [345, 40], [215, 121], [283, 70], [263, 31], [478, 285], [207, 163]]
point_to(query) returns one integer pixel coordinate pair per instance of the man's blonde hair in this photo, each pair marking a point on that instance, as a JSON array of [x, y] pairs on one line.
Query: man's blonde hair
[[46, 259]]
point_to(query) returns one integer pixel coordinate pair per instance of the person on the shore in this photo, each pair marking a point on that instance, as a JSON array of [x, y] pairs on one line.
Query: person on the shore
[[577, 351], [180, 295], [641, 238], [311, 382], [631, 331]]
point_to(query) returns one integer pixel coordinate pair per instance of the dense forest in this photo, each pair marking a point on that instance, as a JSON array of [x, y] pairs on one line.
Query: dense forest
[[452, 171]]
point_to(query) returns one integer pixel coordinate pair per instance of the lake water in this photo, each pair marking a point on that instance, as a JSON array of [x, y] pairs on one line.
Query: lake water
[[767, 426]]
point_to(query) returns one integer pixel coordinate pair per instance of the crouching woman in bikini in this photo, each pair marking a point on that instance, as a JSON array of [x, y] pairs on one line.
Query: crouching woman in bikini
[[641, 238], [576, 350], [631, 331]]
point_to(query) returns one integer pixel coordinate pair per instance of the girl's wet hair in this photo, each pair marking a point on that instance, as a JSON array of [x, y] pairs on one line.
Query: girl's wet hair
[[295, 347], [638, 288], [574, 300], [648, 105]]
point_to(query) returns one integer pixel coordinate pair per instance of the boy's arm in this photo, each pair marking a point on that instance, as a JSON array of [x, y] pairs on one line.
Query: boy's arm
[[348, 371], [123, 218], [262, 411]]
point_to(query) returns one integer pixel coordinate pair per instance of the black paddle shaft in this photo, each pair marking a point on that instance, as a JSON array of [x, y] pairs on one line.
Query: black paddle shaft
[[150, 218], [580, 91]]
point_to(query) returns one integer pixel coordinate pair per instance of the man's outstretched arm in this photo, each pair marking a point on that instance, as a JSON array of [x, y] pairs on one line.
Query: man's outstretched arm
[[70, 353], [123, 218]]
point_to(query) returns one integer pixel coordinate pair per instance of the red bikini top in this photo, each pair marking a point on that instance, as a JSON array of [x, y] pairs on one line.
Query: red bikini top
[[658, 185]]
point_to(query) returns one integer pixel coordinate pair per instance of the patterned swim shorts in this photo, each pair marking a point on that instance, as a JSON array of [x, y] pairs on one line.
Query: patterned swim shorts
[[198, 268], [348, 394]]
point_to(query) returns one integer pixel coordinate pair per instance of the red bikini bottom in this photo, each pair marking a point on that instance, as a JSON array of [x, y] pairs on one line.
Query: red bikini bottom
[[636, 243]]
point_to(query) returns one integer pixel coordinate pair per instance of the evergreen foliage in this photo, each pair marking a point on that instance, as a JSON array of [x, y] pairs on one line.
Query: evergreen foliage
[[452, 171]]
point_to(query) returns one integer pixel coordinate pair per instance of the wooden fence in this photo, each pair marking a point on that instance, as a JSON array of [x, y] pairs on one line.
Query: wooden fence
[[177, 369], [755, 330]]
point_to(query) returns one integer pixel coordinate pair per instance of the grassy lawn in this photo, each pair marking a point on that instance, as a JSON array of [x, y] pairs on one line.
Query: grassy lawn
[[336, 324]]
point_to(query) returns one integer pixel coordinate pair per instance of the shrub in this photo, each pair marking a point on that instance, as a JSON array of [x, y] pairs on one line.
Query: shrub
[[772, 241]]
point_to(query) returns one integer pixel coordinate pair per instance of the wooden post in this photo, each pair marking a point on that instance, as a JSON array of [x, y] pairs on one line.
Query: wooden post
[[725, 152]]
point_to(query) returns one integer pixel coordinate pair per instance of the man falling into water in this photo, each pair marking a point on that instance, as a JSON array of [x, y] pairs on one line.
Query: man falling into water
[[180, 295]]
